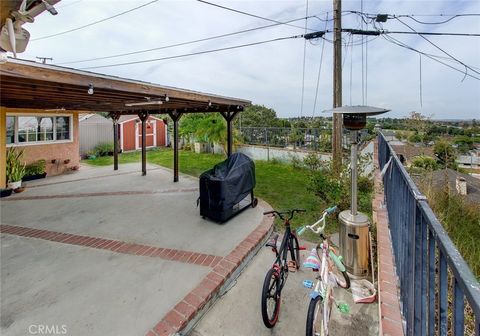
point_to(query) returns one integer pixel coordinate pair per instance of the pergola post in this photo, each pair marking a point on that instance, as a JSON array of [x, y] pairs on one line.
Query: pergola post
[[143, 117], [175, 117], [229, 118], [115, 116]]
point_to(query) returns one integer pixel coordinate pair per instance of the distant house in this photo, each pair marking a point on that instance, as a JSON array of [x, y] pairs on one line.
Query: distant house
[[468, 161], [406, 152], [464, 184], [130, 132]]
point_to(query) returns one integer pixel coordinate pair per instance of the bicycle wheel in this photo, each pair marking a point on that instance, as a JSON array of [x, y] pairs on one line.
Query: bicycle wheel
[[270, 299], [315, 317], [294, 248], [342, 283]]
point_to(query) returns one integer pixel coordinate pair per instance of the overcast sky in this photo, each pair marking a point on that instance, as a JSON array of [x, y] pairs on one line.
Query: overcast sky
[[271, 74]]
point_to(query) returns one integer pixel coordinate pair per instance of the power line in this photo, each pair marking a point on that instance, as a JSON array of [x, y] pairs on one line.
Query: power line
[[430, 33], [319, 70], [438, 22], [94, 23], [383, 31], [181, 43], [446, 53], [248, 14], [420, 80], [372, 16], [433, 57], [304, 57], [195, 53]]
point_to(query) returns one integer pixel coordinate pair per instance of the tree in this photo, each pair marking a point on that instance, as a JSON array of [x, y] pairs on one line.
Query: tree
[[419, 123], [424, 162], [258, 116], [445, 153]]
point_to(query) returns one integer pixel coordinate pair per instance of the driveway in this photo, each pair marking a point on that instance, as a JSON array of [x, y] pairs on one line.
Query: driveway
[[100, 252]]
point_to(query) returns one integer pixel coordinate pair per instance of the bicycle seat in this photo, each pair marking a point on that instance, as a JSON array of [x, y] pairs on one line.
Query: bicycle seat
[[312, 261], [273, 241]]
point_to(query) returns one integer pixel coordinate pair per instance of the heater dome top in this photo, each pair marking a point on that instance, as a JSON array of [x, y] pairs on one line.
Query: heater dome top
[[359, 109]]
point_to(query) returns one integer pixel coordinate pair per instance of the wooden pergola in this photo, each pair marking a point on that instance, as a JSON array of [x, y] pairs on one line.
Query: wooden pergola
[[27, 84]]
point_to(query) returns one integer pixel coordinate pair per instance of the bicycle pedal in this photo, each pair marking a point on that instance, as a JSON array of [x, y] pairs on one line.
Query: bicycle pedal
[[292, 266], [344, 308], [302, 248]]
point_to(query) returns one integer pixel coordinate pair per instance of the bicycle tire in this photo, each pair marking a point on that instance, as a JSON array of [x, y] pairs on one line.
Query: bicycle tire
[[294, 248], [347, 281], [312, 314], [270, 283]]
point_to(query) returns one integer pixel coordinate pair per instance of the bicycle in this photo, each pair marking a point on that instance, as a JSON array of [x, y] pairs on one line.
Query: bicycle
[[277, 275], [325, 264]]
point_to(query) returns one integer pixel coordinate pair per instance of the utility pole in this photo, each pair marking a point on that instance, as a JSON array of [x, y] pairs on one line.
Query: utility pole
[[337, 85]]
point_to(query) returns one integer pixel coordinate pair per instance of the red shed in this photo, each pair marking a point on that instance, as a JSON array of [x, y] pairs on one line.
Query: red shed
[[130, 132]]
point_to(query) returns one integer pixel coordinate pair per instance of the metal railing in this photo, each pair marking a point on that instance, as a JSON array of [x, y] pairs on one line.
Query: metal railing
[[425, 258]]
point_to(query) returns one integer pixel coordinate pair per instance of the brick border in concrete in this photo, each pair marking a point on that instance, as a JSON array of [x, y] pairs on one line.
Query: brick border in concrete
[[390, 317], [182, 318], [98, 194], [117, 246]]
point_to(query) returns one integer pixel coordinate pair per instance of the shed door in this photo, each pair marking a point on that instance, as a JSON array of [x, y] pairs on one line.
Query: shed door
[[151, 133]]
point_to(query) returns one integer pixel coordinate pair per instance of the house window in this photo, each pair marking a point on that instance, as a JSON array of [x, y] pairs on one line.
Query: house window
[[63, 128], [10, 130], [38, 129]]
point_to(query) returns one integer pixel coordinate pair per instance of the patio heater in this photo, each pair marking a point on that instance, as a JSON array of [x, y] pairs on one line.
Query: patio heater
[[354, 225]]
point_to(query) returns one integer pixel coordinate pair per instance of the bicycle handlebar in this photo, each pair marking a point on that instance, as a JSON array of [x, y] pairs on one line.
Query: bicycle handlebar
[[319, 230], [285, 212]]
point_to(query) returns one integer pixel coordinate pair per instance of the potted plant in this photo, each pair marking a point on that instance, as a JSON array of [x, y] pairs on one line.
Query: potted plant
[[15, 168], [35, 171]]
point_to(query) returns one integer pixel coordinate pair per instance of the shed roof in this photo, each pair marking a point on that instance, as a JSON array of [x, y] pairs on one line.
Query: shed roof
[[27, 84]]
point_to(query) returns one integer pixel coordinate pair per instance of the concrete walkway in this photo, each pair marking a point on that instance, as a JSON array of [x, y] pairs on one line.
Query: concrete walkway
[[238, 311], [100, 252]]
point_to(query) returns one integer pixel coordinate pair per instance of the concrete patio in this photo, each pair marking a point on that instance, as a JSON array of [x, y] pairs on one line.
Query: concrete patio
[[114, 253]]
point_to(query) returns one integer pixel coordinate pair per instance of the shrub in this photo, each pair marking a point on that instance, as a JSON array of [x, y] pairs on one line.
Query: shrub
[[335, 189], [103, 149], [275, 161], [312, 161], [425, 162], [36, 168], [296, 162], [15, 169]]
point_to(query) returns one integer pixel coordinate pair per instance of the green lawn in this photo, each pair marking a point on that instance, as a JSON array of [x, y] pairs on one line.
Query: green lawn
[[281, 185]]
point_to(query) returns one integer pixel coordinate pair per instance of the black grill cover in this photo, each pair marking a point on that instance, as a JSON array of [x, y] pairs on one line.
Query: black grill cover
[[225, 185]]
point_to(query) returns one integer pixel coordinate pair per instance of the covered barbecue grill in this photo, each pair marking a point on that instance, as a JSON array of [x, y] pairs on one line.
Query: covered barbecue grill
[[225, 187]]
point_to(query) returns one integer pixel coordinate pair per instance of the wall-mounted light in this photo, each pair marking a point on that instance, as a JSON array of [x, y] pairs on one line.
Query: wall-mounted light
[[90, 89], [167, 98], [209, 103]]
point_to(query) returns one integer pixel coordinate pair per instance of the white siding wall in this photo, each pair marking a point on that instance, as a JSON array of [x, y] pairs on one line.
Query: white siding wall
[[93, 134]]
